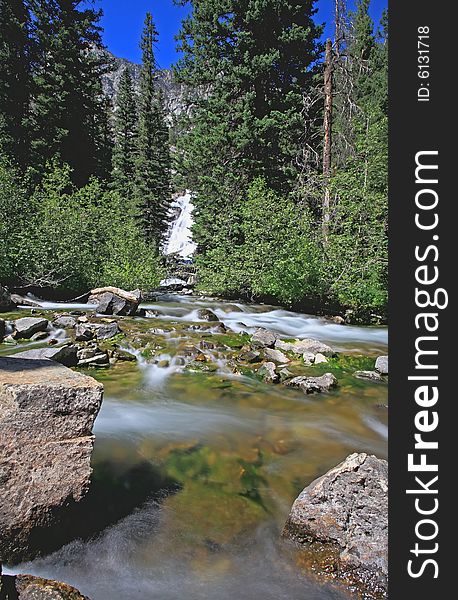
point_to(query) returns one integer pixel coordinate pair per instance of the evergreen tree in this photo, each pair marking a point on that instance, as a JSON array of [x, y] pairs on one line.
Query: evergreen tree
[[124, 151], [14, 79], [68, 108], [250, 62], [153, 152]]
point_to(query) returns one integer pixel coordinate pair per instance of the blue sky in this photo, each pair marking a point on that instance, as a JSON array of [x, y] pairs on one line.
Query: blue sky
[[123, 22]]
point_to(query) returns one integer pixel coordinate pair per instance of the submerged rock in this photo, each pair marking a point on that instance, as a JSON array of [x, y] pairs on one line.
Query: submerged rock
[[25, 328], [27, 587], [312, 385], [381, 365], [370, 375], [346, 511], [205, 314], [65, 355], [263, 338], [46, 416], [114, 301]]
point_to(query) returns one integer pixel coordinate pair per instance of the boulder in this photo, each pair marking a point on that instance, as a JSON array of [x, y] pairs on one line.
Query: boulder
[[249, 356], [381, 365], [346, 512], [24, 328], [268, 372], [83, 333], [105, 332], [6, 304], [307, 345], [370, 375], [312, 385], [65, 322], [114, 301], [27, 587], [46, 416], [276, 356], [65, 355], [205, 314], [263, 338]]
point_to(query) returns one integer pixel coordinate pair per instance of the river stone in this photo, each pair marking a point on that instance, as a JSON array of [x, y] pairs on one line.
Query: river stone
[[307, 345], [371, 375], [83, 333], [381, 365], [346, 510], [312, 385], [105, 332], [268, 371], [27, 587], [6, 304], [65, 322], [320, 359], [114, 301], [46, 416], [65, 355], [276, 356], [27, 326], [263, 338], [205, 314]]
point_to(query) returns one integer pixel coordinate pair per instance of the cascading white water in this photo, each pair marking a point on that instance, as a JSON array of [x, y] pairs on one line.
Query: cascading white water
[[178, 239]]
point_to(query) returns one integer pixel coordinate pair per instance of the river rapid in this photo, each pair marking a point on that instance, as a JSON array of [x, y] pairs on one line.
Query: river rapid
[[217, 460]]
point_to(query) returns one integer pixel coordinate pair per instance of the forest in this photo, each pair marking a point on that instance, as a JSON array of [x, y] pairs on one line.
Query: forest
[[283, 145]]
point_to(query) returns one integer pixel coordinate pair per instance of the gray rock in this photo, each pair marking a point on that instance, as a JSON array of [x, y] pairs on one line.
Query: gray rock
[[263, 338], [381, 365], [311, 385], [307, 345], [205, 314], [27, 326], [39, 336], [46, 416], [28, 587], [98, 360], [249, 356], [24, 301], [320, 359], [105, 332], [65, 322], [114, 301], [346, 511], [65, 355], [268, 372], [276, 356], [371, 375], [6, 304], [308, 358], [84, 333]]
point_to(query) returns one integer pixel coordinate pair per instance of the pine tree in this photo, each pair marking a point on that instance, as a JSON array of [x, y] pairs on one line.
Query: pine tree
[[249, 62], [69, 111], [153, 152], [125, 142], [14, 79]]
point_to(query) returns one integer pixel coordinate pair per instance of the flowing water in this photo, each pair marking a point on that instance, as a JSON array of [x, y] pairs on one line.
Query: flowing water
[[231, 452]]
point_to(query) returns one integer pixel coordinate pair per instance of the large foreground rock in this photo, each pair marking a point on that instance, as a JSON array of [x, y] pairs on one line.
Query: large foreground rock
[[27, 587], [46, 416], [346, 512], [114, 301]]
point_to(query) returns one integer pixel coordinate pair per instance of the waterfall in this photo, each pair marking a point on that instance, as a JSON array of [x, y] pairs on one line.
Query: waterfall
[[178, 239]]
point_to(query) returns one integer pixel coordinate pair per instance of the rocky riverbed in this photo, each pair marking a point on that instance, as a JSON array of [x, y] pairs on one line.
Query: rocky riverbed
[[233, 409]]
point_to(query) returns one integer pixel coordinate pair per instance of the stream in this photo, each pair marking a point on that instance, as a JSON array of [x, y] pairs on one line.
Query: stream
[[232, 452]]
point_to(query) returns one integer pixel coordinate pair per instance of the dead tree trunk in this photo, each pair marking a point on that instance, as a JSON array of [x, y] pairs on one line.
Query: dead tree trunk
[[327, 140]]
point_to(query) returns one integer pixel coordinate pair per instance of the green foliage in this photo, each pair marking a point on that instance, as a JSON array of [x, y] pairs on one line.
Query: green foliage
[[153, 162], [73, 238]]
